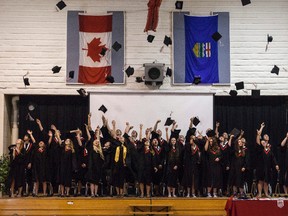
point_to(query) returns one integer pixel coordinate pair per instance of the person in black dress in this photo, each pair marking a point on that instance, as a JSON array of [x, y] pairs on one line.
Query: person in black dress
[[284, 167], [40, 166], [239, 163], [67, 164], [17, 168], [265, 160], [191, 165], [214, 177], [95, 164]]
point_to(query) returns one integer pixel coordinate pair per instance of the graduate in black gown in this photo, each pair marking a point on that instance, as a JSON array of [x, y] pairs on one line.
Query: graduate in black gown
[[17, 168], [40, 168], [265, 161], [67, 164], [284, 167], [191, 166], [95, 163], [239, 164], [214, 168]]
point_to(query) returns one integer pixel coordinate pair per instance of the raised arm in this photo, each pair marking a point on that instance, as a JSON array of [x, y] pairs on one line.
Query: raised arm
[[217, 129], [141, 132], [156, 125], [128, 128], [206, 144], [167, 135], [230, 140], [31, 136], [78, 136], [259, 132], [87, 132], [284, 141], [39, 124], [89, 121]]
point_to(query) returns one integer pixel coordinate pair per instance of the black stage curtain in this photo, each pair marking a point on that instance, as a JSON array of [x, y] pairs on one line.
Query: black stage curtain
[[248, 113], [65, 112]]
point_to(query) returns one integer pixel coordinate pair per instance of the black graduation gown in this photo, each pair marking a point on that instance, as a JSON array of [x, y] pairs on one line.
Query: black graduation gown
[[17, 169], [214, 168], [238, 162], [95, 165], [159, 157], [173, 160], [40, 165], [191, 166]]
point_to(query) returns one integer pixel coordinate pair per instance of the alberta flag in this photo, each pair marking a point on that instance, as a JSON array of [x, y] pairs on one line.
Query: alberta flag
[[201, 51], [95, 36]]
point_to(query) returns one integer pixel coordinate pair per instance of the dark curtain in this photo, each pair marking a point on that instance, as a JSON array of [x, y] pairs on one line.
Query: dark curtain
[[248, 113], [65, 112]]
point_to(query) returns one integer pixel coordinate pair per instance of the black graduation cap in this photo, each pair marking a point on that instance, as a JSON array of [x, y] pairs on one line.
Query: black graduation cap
[[60, 5], [82, 92], [167, 41], [129, 71], [255, 93], [235, 132], [154, 135], [168, 121], [56, 69], [275, 70], [179, 5], [110, 79], [150, 38], [139, 79], [169, 72], [196, 121], [239, 85], [269, 38], [216, 36], [210, 133], [116, 46], [26, 81], [233, 93], [103, 51], [175, 133], [71, 74], [102, 108], [245, 2], [197, 80]]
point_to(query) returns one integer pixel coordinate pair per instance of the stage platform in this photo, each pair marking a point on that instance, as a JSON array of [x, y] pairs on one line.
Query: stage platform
[[112, 206]]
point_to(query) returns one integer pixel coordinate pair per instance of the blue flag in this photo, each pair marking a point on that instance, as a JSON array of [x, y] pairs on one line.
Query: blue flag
[[201, 54]]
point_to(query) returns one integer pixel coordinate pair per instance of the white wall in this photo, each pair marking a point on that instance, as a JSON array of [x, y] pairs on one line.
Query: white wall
[[33, 38]]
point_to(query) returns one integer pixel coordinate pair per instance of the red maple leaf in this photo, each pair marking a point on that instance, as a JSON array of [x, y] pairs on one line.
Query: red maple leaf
[[94, 49]]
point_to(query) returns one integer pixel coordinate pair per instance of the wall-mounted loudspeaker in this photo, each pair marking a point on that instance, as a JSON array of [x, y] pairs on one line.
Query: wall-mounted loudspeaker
[[154, 73]]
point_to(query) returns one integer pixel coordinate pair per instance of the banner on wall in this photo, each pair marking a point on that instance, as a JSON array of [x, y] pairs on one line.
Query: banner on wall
[[201, 51], [95, 36]]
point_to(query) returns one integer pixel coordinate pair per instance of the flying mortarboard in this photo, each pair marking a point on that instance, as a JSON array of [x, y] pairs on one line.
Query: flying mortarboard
[[197, 80], [56, 69], [245, 2], [216, 36], [275, 70], [110, 79], [269, 40], [129, 71], [102, 108], [169, 72], [235, 132], [179, 5], [255, 93], [116, 46], [175, 133], [60, 5], [168, 122], [239, 85], [196, 121], [139, 79], [71, 74], [233, 93], [150, 38], [103, 51], [26, 81], [167, 41], [82, 92]]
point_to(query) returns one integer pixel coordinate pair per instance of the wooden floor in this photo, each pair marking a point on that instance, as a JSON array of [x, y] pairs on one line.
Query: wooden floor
[[108, 206]]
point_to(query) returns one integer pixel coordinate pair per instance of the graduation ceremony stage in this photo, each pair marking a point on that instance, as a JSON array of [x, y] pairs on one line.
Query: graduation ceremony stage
[[112, 206]]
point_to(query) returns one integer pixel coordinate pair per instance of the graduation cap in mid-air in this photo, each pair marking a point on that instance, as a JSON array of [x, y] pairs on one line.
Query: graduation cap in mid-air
[[102, 108]]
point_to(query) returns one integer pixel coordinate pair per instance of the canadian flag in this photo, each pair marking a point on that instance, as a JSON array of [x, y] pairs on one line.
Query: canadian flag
[[95, 36]]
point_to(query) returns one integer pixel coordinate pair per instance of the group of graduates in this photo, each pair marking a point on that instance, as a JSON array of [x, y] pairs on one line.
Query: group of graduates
[[208, 165]]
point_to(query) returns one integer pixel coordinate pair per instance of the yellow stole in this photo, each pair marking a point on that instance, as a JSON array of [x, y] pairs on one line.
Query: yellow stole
[[117, 153]]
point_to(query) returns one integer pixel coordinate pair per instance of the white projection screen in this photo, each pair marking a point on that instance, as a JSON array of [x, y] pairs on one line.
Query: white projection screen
[[147, 108]]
